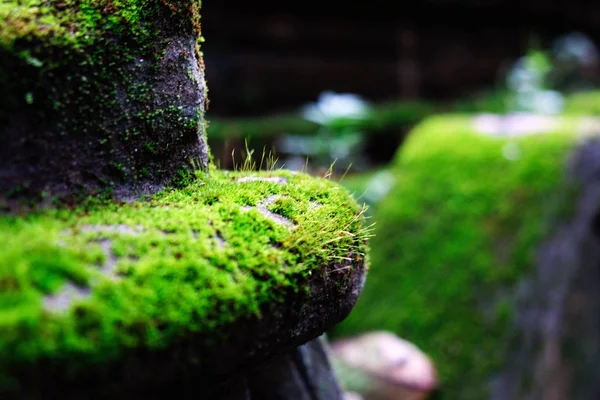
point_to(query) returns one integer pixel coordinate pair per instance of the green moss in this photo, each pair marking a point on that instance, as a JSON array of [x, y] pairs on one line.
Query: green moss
[[454, 236], [190, 259], [78, 23], [85, 47], [583, 103], [288, 208]]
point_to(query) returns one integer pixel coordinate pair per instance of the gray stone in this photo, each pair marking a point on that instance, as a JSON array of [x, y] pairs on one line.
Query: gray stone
[[118, 109]]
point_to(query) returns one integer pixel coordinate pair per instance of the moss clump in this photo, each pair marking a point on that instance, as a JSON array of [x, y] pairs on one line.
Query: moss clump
[[453, 237], [185, 261]]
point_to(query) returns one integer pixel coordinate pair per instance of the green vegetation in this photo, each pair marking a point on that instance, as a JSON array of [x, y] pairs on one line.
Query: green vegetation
[[88, 283], [385, 117], [87, 47], [583, 103], [78, 23], [454, 236], [189, 259]]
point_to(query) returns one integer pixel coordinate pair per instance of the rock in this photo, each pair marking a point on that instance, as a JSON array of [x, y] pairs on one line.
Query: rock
[[190, 288], [484, 255], [304, 374], [394, 369], [352, 396], [99, 97], [136, 269]]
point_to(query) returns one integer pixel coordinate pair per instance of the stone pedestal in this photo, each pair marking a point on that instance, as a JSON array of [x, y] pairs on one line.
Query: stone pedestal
[[131, 267]]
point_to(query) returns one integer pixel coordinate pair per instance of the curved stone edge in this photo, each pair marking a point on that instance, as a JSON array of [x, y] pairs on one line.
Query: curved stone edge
[[189, 367]]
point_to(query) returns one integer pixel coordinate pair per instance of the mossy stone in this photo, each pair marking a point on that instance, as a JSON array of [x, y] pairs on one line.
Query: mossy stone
[[203, 271], [131, 267], [457, 234], [98, 96]]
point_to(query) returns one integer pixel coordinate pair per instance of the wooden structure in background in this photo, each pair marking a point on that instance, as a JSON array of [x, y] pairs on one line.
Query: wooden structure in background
[[262, 59]]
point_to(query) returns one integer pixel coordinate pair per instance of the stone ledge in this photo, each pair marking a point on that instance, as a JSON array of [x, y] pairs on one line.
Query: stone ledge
[[187, 286]]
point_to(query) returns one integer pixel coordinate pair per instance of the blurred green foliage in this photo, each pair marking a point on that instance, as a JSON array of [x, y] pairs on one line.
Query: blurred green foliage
[[385, 117]]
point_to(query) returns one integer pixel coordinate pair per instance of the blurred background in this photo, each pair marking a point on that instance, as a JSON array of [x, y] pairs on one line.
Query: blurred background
[[337, 89], [265, 63]]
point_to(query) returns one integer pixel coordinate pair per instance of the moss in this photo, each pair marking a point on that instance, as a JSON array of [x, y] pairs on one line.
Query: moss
[[583, 103], [80, 23], [454, 236], [286, 207], [188, 259]]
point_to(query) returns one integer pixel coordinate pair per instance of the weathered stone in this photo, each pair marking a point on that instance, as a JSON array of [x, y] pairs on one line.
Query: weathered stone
[[300, 279], [99, 97], [198, 288], [303, 374]]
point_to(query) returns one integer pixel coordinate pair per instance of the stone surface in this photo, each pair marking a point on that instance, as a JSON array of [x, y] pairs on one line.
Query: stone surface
[[242, 289], [303, 374], [208, 287], [87, 107]]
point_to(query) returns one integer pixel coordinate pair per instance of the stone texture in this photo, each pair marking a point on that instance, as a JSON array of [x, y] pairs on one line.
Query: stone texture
[[120, 114], [303, 374], [107, 99]]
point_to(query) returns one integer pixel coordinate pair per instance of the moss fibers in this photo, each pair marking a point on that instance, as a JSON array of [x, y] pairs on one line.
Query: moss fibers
[[187, 260], [454, 237]]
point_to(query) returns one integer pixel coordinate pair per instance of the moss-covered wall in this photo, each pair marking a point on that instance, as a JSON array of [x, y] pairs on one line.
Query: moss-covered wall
[[455, 235]]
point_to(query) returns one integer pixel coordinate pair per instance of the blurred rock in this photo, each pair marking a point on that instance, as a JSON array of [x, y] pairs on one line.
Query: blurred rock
[[381, 366], [352, 396]]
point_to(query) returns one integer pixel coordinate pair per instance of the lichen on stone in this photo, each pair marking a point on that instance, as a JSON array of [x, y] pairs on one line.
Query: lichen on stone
[[91, 282]]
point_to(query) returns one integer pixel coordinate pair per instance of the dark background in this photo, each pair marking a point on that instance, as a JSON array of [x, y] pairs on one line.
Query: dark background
[[267, 57]]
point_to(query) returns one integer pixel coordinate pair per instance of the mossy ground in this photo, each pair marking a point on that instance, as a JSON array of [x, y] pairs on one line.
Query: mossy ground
[[188, 259], [453, 237]]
